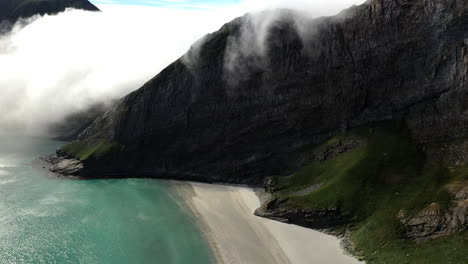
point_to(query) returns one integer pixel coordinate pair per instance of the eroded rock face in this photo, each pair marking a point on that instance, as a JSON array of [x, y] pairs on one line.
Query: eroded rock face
[[311, 218], [384, 60], [64, 166], [433, 221], [453, 154], [334, 150]]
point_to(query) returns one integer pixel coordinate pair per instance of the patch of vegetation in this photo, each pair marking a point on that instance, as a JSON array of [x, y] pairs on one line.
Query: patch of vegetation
[[325, 173], [86, 150], [444, 250], [461, 174], [372, 184]]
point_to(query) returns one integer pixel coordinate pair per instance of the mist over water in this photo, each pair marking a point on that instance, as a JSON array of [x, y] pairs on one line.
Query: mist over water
[[53, 66]]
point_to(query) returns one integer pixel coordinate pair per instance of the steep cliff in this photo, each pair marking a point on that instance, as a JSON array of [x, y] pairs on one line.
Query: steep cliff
[[211, 117], [12, 10]]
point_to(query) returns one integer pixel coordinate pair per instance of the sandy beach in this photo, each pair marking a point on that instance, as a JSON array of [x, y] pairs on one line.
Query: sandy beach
[[237, 236]]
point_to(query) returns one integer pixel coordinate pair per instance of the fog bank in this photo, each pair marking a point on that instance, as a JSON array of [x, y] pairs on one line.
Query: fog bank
[[52, 66]]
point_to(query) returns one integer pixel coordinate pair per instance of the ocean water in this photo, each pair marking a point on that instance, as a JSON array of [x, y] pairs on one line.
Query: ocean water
[[50, 220]]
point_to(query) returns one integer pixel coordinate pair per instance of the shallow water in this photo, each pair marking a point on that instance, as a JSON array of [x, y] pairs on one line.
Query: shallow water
[[50, 220]]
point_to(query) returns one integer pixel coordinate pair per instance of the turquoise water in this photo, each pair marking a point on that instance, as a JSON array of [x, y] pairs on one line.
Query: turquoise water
[[50, 220]]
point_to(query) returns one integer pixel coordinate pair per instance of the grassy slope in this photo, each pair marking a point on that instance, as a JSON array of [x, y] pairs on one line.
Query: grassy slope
[[373, 184], [90, 150]]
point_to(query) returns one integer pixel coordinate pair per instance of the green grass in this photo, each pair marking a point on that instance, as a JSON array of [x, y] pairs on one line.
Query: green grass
[[461, 174], [323, 173], [445, 250], [387, 162], [372, 184], [84, 150]]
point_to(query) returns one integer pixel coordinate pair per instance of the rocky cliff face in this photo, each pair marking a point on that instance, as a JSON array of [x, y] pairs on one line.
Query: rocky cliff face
[[12, 10], [235, 116], [433, 221]]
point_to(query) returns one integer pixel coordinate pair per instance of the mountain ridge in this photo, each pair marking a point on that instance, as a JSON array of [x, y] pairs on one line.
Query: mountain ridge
[[12, 10]]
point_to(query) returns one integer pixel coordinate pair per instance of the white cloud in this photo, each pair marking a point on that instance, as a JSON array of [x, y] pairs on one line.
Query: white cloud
[[175, 1], [313, 7], [60, 64], [105, 2]]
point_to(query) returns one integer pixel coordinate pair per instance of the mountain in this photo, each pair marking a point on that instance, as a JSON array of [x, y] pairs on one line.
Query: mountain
[[385, 60], [12, 10], [357, 121]]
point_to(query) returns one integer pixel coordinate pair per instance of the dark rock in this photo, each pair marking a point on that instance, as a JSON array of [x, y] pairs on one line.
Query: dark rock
[[333, 150], [64, 166], [433, 221], [312, 218], [269, 184], [453, 154], [12, 10]]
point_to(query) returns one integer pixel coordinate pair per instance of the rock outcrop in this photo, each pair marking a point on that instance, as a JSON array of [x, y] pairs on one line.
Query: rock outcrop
[[227, 113], [12, 10], [62, 165], [435, 221], [312, 218]]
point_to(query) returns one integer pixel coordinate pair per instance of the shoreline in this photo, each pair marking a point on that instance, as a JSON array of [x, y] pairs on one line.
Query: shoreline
[[225, 216]]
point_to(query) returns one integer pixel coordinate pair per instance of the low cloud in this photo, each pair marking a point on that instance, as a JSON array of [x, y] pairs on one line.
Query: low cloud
[[52, 66], [247, 52]]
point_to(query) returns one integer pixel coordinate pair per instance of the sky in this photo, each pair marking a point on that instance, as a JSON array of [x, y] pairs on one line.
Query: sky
[[186, 4], [247, 5]]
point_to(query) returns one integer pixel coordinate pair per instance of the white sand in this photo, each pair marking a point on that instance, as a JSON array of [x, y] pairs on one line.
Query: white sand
[[237, 236]]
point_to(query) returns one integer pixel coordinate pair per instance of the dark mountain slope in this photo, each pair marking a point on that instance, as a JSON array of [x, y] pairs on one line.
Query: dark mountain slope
[[74, 124], [12, 10], [384, 60]]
